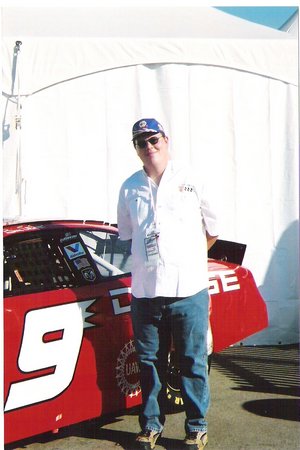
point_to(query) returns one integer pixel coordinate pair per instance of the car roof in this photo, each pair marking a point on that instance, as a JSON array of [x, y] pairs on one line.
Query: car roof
[[26, 227]]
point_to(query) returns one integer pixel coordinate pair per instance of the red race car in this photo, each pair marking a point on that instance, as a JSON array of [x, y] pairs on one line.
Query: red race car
[[69, 354]]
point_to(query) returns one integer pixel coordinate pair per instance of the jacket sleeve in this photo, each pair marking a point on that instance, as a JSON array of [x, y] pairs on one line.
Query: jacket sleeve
[[208, 206], [209, 215]]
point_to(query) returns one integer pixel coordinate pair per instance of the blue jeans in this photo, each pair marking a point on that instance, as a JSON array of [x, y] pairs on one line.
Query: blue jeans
[[154, 321]]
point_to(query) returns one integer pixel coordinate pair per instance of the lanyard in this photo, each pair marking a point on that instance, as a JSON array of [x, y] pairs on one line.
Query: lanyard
[[153, 207]]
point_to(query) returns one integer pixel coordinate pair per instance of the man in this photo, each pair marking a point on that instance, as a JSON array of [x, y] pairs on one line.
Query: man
[[164, 209]]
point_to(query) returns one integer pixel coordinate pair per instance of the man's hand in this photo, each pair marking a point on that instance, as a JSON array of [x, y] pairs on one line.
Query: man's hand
[[210, 240]]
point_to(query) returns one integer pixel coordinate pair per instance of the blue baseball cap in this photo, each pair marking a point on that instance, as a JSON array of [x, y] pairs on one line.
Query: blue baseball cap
[[146, 126]]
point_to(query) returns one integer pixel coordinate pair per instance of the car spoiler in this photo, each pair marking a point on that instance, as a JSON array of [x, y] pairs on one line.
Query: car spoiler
[[228, 251]]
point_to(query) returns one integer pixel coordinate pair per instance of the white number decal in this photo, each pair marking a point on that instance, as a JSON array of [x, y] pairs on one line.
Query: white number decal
[[37, 353]]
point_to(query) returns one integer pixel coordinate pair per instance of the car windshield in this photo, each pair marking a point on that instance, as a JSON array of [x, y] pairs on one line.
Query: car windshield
[[111, 255], [57, 259]]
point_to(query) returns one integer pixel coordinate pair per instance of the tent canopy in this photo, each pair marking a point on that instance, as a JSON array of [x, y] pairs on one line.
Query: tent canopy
[[120, 37]]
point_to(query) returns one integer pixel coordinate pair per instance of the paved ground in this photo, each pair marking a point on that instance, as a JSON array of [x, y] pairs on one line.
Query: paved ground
[[255, 406]]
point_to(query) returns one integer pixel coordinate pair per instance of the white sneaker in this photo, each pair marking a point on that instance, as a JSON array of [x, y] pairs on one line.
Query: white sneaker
[[146, 439], [195, 440]]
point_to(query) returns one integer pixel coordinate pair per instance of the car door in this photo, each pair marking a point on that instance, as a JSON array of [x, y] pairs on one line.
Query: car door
[[68, 345]]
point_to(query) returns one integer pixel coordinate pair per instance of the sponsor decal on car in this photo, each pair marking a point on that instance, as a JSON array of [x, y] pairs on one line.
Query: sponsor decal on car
[[81, 263], [74, 250], [88, 274], [223, 281], [128, 371], [118, 305], [68, 237]]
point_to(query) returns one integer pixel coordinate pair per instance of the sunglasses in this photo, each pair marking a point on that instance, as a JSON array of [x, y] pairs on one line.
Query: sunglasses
[[142, 143]]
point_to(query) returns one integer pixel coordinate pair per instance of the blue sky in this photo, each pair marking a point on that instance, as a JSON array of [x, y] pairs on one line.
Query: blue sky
[[271, 16]]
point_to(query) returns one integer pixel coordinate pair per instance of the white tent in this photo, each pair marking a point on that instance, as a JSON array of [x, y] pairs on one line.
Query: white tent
[[225, 89]]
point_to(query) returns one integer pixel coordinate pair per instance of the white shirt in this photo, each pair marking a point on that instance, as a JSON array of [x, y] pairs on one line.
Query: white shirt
[[180, 212]]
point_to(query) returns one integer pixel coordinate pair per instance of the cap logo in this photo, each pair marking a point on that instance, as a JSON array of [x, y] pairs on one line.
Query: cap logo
[[143, 124]]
